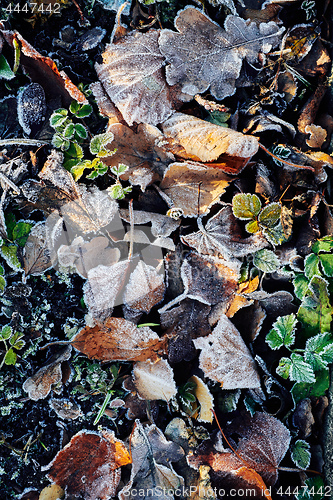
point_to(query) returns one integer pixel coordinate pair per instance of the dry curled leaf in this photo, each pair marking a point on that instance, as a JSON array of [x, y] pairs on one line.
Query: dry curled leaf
[[202, 55], [194, 188], [225, 358], [89, 465], [317, 136], [40, 384], [205, 141], [119, 340], [205, 399], [152, 473], [154, 380], [132, 75]]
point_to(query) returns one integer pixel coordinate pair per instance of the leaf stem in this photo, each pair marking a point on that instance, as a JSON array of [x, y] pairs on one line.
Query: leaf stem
[[304, 167]]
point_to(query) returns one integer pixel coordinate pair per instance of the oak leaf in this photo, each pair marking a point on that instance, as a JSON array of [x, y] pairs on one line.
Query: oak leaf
[[203, 55], [89, 465], [117, 339], [132, 75], [154, 380], [193, 187], [205, 141], [225, 358]]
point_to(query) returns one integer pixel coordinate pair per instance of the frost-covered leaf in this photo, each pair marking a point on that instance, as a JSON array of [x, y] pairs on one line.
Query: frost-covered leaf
[[98, 144], [266, 261], [154, 380], [66, 409], [9, 253], [300, 371], [311, 266], [89, 465], [131, 74], [246, 206], [270, 215], [115, 5], [205, 400], [315, 312], [205, 141], [161, 225], [152, 473], [36, 256], [223, 235], [225, 358], [283, 332], [142, 151], [301, 286], [300, 454], [303, 390], [40, 384], [31, 107], [194, 187], [117, 339], [319, 351], [145, 288], [326, 261], [203, 55]]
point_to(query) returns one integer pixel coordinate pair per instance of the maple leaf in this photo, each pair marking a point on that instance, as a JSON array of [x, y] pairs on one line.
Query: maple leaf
[[89, 465], [226, 359], [203, 55], [152, 473], [105, 341], [131, 74], [205, 141]]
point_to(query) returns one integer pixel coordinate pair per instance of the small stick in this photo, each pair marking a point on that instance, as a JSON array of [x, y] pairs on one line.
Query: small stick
[[304, 167]]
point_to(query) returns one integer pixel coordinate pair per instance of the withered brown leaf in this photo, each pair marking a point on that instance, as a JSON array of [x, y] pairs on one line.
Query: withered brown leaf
[[36, 254], [154, 381], [145, 288]]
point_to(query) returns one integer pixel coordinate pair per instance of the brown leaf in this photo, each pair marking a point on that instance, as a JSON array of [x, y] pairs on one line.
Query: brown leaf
[[269, 13], [39, 385], [36, 254], [132, 75], [202, 55], [225, 358], [194, 187], [205, 399], [207, 141], [317, 136], [154, 381], [161, 225], [240, 300], [145, 288], [65, 408], [89, 465], [119, 340], [143, 152]]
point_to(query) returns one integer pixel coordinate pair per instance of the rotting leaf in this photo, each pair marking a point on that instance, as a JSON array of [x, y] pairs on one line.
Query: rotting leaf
[[203, 55], [193, 187], [225, 358], [131, 74], [151, 470], [154, 380], [89, 465], [40, 384], [205, 141], [117, 339]]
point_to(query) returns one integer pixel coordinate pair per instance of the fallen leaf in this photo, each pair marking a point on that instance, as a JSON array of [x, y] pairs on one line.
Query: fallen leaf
[[225, 358], [239, 300], [154, 380], [145, 288], [51, 492], [205, 141], [269, 13], [317, 136], [205, 399], [202, 55], [143, 151], [222, 235], [132, 75], [39, 385], [137, 407], [152, 472], [89, 465], [66, 409], [194, 187], [161, 225], [54, 172], [36, 253], [119, 340]]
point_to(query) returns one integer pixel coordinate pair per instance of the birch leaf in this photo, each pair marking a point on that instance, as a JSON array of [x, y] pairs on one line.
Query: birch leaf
[[131, 74], [154, 380], [225, 358], [203, 55], [208, 141]]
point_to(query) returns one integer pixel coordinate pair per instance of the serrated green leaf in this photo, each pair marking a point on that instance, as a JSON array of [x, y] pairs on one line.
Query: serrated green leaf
[[315, 312], [98, 144], [314, 490], [270, 215], [69, 130], [58, 118], [21, 232], [80, 131], [84, 111], [301, 286], [3, 284], [266, 261], [6, 72], [75, 150], [79, 169], [252, 226], [323, 245], [9, 253], [57, 141], [318, 388], [311, 266], [300, 371], [74, 107], [6, 332], [284, 368], [275, 235], [93, 175], [319, 351], [246, 206], [10, 357], [300, 454], [116, 192], [326, 261], [283, 332], [229, 400]]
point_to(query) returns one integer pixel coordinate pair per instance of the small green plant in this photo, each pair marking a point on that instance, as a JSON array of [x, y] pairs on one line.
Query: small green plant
[[11, 342], [184, 400], [97, 147], [117, 191]]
